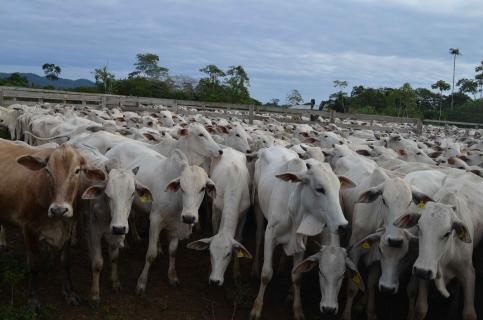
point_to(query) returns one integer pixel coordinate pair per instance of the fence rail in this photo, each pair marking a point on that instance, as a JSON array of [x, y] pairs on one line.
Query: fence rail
[[251, 112]]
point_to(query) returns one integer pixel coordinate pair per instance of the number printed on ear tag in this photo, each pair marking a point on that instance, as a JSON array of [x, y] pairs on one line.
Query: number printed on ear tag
[[365, 245], [356, 279], [421, 204]]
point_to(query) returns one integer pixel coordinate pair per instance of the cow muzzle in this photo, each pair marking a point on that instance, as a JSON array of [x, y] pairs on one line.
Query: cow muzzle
[[59, 211], [395, 243], [328, 310], [188, 219], [424, 274], [389, 290], [118, 231]]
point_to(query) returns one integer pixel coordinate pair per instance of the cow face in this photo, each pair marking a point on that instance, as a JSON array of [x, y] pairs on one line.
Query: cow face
[[193, 183], [119, 191], [200, 141], [438, 228], [333, 264], [63, 169], [222, 248], [166, 119], [318, 194], [237, 138]]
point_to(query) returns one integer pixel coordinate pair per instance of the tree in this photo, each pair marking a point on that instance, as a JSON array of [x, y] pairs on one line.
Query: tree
[[15, 80], [51, 71], [238, 83], [468, 86], [454, 52], [214, 73], [479, 77], [294, 97], [147, 67], [211, 88], [104, 78], [274, 102], [341, 84], [441, 85]]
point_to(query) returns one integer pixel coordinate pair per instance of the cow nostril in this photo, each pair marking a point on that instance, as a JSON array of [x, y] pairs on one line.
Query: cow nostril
[[220, 152], [249, 151], [188, 219], [387, 290], [343, 227], [118, 230], [215, 282], [58, 211], [328, 310]]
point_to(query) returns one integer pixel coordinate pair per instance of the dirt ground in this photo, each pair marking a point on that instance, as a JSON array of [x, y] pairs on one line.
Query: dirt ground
[[194, 298]]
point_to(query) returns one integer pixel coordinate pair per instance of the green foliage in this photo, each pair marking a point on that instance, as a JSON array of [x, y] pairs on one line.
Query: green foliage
[[51, 71], [15, 80], [468, 86], [147, 67], [9, 312], [294, 97], [104, 79]]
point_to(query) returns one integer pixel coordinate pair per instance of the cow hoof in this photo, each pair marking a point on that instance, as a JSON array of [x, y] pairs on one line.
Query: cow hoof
[[94, 303], [174, 282], [140, 290], [35, 305], [72, 298], [117, 287], [254, 315]]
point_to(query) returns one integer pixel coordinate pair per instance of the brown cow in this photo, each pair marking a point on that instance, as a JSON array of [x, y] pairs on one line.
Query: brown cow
[[37, 192]]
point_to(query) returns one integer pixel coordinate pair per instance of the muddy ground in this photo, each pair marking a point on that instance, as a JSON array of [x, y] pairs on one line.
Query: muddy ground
[[194, 298]]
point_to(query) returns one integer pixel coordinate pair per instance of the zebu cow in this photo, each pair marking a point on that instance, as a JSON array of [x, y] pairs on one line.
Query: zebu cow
[[39, 187], [311, 202], [449, 229], [230, 174], [109, 208], [177, 190]]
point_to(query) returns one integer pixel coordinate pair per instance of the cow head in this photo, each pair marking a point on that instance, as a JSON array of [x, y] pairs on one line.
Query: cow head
[[318, 196], [438, 227], [120, 190], [193, 183], [222, 247], [166, 119], [199, 140], [63, 168], [331, 274]]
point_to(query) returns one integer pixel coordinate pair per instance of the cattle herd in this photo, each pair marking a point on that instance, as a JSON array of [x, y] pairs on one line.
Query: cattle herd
[[382, 207]]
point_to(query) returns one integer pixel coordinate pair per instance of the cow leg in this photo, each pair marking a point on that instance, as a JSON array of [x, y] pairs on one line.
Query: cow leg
[[114, 256], [372, 280], [155, 222], [3, 238], [412, 291], [95, 251], [298, 310], [135, 237], [421, 308], [69, 294], [259, 237], [173, 248], [267, 273], [32, 249], [467, 279]]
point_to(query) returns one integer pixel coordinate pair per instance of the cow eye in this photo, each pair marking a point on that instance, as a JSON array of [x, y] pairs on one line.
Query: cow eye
[[418, 153], [383, 201], [203, 189], [77, 171], [201, 135], [164, 116], [320, 190], [229, 253], [237, 135], [446, 235]]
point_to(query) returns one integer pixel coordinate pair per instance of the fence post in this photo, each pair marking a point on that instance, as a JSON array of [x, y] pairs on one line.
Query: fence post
[[83, 101], [103, 102], [419, 127], [332, 116], [65, 99], [250, 113], [1, 97], [41, 100]]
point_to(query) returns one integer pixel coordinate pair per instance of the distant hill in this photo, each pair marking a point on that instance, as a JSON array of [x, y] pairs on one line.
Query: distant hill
[[59, 84]]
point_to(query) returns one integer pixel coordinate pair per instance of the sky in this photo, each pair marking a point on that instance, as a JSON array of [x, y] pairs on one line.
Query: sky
[[283, 45]]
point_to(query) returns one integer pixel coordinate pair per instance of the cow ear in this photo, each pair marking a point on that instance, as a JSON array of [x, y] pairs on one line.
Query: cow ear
[[251, 156], [408, 220], [308, 264], [240, 251], [173, 185], [311, 140], [354, 275], [183, 132], [149, 137], [435, 154], [464, 158], [144, 193], [368, 241], [401, 152], [135, 170], [420, 198], [461, 231], [363, 152], [32, 163], [223, 129], [370, 195], [209, 129], [94, 174], [289, 176], [346, 183], [93, 192], [199, 245], [211, 188]]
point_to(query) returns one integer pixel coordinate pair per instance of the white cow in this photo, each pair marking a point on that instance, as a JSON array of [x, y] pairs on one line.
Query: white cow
[[232, 201], [311, 202]]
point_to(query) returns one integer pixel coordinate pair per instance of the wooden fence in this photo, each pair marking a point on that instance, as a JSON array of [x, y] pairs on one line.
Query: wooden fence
[[9, 95]]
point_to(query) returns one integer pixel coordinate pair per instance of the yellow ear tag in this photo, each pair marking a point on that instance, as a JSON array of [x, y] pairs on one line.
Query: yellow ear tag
[[365, 245], [240, 253], [143, 199], [356, 279], [421, 204]]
